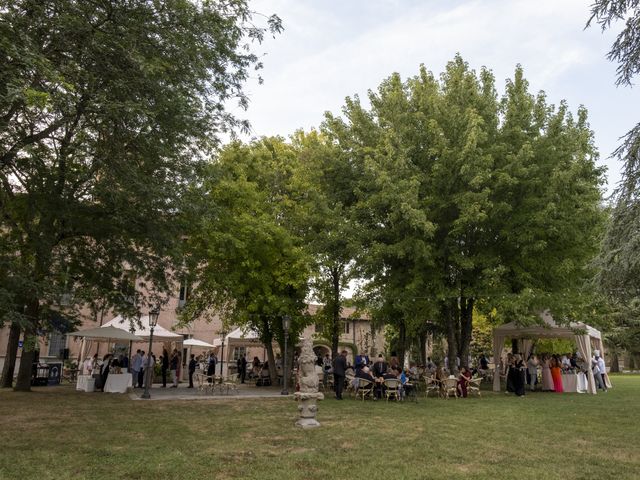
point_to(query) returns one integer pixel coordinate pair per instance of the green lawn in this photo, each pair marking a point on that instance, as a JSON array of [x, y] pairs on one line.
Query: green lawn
[[56, 433]]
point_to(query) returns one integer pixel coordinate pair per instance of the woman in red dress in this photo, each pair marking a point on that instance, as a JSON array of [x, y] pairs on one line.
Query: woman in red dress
[[463, 381], [556, 375]]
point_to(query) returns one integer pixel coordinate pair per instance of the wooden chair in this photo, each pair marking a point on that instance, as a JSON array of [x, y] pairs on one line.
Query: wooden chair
[[204, 382], [450, 386], [392, 388], [432, 386], [474, 386], [365, 388], [231, 383], [350, 388]]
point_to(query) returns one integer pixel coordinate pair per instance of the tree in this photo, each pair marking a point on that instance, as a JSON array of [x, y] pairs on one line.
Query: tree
[[463, 201], [247, 257], [619, 261], [105, 110], [328, 178]]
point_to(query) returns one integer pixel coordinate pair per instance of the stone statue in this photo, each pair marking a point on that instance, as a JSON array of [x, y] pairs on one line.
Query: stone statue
[[308, 394]]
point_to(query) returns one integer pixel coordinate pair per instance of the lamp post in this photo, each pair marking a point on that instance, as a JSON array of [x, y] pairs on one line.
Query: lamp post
[[224, 334], [286, 321], [153, 321]]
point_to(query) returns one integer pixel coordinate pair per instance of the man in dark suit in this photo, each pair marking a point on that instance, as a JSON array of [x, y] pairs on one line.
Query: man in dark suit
[[380, 367], [242, 368], [339, 369]]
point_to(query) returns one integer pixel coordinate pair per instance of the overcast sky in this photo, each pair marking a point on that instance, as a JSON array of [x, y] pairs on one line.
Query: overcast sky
[[332, 49]]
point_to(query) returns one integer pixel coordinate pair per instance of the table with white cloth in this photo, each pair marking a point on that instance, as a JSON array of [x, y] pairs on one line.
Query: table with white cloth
[[582, 382], [570, 382], [118, 383], [86, 383]]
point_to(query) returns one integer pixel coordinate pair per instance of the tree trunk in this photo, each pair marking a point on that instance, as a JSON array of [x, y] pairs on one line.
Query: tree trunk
[[267, 338], [452, 345], [422, 338], [29, 347], [9, 367], [402, 343], [615, 364], [466, 326], [335, 313]]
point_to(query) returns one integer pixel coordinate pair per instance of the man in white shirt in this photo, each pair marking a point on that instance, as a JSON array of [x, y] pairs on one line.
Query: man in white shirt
[[602, 368], [566, 363]]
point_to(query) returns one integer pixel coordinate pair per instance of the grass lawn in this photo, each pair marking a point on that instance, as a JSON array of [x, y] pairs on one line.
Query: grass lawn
[[56, 433]]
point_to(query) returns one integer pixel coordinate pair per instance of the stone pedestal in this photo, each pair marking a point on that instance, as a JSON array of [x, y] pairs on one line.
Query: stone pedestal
[[308, 409]]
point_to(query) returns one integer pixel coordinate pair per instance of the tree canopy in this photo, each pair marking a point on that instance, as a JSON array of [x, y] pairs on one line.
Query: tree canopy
[[106, 111]]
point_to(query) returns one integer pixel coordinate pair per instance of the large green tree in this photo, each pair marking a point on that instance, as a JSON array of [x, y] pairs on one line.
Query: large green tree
[[619, 260], [470, 200], [106, 108], [246, 251], [326, 211]]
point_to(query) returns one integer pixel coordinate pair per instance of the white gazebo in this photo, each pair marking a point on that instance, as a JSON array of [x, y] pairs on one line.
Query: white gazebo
[[141, 329], [105, 333], [583, 335]]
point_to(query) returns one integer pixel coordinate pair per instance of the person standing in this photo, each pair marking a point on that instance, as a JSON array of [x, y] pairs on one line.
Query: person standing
[[104, 370], [547, 379], [136, 365], [192, 369], [173, 365], [556, 374], [143, 362], [164, 367], [517, 372], [601, 370], [532, 367], [339, 370], [211, 366], [243, 368]]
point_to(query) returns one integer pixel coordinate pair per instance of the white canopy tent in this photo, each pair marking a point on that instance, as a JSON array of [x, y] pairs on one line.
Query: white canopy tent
[[192, 342], [239, 338], [141, 329], [582, 334], [108, 333]]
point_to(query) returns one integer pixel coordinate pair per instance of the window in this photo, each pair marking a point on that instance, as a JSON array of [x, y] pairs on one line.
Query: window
[[128, 286], [57, 343], [345, 326], [319, 327], [238, 352], [184, 293]]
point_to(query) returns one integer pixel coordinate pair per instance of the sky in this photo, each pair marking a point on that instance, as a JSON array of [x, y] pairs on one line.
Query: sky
[[331, 49]]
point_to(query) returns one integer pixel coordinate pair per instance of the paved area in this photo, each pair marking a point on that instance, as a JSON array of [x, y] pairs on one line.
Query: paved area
[[245, 391]]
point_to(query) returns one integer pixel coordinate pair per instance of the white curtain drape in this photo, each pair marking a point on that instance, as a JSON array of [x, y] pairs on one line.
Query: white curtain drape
[[498, 345], [584, 347], [526, 345]]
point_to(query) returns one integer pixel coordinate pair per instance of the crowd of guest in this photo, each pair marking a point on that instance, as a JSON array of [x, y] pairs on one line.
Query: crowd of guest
[[545, 370]]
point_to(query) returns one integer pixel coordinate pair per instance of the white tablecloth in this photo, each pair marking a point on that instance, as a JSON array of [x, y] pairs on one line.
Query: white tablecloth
[[86, 383], [570, 382], [118, 383], [582, 383]]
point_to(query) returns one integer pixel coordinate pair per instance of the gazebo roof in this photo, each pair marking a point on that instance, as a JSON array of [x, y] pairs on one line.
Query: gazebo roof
[[548, 328]]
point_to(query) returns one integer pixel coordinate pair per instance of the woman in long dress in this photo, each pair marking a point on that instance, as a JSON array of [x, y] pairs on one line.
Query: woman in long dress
[[517, 375], [547, 379], [510, 373], [532, 367], [556, 374]]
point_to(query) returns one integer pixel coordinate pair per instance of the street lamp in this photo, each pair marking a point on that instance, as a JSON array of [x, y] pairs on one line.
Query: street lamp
[[224, 334], [148, 378], [286, 322]]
